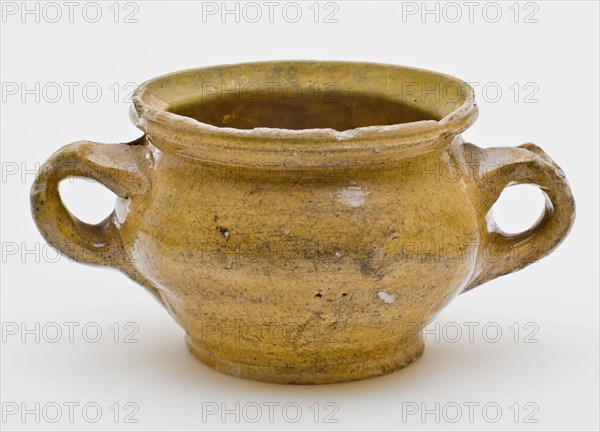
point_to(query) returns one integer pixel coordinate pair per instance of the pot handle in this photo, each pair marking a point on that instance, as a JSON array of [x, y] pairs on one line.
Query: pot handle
[[497, 168], [116, 166]]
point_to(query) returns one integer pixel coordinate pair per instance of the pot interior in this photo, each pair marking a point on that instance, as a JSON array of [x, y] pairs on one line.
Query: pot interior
[[298, 108], [306, 96]]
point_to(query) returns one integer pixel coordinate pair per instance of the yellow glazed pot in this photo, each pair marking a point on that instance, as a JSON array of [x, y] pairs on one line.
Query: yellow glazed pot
[[303, 220]]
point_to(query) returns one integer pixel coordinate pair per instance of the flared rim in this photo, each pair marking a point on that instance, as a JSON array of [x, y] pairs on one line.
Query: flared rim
[[152, 102]]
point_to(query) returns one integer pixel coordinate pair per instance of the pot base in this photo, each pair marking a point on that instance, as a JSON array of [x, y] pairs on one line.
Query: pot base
[[336, 371]]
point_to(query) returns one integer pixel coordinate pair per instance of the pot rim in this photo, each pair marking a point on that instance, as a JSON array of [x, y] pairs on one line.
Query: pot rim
[[187, 136]]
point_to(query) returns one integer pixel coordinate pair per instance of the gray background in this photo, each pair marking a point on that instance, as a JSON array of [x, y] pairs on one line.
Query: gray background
[[549, 368]]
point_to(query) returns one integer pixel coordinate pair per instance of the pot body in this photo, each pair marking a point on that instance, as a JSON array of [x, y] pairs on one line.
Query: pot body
[[310, 255], [323, 274]]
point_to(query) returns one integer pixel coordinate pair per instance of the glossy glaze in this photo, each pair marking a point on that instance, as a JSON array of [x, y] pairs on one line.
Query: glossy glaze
[[304, 255]]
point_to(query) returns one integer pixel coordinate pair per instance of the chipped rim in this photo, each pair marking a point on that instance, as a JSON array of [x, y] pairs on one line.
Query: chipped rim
[[186, 136]]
